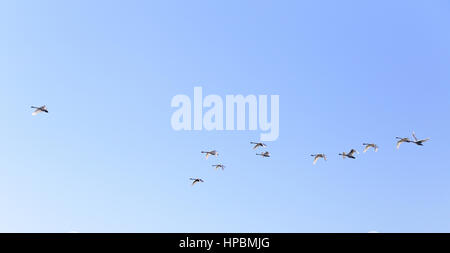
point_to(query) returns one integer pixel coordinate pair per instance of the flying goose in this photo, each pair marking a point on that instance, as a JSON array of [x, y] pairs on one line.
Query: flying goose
[[219, 166], [317, 156], [208, 153], [402, 140], [264, 154], [417, 141], [196, 180], [39, 110], [370, 145], [350, 154], [258, 144]]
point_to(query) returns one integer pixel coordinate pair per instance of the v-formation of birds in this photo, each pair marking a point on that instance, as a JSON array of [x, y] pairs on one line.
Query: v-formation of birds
[[351, 154]]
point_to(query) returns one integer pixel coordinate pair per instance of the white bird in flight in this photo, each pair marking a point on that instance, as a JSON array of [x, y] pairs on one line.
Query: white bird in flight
[[258, 144], [219, 166], [317, 156], [370, 145], [350, 154], [402, 140], [196, 180], [264, 154], [39, 110], [210, 153]]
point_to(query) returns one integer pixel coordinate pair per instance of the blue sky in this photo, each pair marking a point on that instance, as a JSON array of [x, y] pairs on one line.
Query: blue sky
[[105, 159]]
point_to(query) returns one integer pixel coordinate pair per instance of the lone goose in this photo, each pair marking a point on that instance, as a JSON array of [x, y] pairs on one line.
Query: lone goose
[[370, 145], [219, 166], [208, 153], [264, 154], [258, 144], [317, 156], [402, 140], [196, 180], [39, 110], [417, 141], [350, 154]]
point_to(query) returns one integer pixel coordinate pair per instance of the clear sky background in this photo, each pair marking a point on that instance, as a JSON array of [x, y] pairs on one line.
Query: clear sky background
[[105, 159]]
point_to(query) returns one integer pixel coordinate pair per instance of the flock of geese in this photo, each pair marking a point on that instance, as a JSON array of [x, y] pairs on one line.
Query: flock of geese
[[221, 166], [214, 153], [374, 146], [344, 155]]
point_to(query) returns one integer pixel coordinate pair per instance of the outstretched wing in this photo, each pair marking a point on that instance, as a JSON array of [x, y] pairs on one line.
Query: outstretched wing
[[367, 148], [352, 152], [414, 135], [207, 155], [427, 139], [399, 143], [36, 112], [315, 159]]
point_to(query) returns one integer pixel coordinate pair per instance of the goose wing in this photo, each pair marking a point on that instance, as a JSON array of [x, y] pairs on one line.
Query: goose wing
[[425, 140], [399, 143], [352, 152], [36, 112], [315, 159], [367, 148], [414, 136]]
